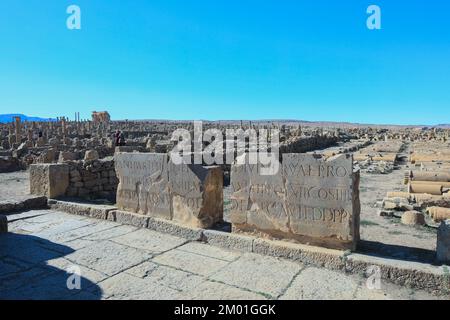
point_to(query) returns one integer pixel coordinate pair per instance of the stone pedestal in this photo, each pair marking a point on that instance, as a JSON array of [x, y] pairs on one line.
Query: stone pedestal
[[49, 180]]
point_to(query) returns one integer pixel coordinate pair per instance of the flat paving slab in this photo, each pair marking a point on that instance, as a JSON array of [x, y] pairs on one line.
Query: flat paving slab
[[266, 275], [39, 255], [149, 240]]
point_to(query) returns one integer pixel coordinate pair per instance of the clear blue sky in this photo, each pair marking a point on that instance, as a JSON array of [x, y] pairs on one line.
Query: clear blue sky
[[228, 59]]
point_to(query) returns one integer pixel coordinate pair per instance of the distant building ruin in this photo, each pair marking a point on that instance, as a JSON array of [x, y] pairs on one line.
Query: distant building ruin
[[98, 117]]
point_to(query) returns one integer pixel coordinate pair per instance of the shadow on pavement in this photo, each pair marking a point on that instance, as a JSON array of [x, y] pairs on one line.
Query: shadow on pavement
[[397, 252], [25, 273]]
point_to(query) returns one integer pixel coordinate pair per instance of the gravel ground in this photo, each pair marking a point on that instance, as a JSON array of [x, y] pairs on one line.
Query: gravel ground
[[14, 186]]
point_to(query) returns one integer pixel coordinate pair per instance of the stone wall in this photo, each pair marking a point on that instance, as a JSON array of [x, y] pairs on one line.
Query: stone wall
[[76, 179], [152, 185], [310, 200], [306, 144], [92, 179]]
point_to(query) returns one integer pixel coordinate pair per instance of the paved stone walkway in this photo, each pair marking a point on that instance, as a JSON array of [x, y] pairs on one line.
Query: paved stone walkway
[[123, 262]]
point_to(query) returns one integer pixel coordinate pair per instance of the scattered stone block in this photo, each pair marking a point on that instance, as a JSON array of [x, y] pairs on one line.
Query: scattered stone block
[[385, 213], [439, 214], [67, 156], [397, 204], [91, 155], [413, 218]]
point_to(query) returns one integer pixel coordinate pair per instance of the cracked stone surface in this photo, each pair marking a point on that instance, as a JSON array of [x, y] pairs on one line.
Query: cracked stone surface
[[150, 241], [314, 283], [120, 262], [262, 274]]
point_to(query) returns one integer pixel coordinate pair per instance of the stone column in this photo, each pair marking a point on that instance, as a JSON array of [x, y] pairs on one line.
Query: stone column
[[63, 125], [18, 136], [30, 135]]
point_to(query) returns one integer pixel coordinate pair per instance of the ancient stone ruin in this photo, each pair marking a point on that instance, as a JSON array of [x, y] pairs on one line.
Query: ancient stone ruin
[[310, 200], [101, 117], [315, 209], [91, 179], [150, 184]]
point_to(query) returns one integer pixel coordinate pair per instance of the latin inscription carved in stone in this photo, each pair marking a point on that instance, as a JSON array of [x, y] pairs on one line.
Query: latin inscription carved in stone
[[311, 200]]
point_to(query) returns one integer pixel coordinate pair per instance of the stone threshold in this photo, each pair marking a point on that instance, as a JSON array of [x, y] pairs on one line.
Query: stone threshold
[[417, 275]]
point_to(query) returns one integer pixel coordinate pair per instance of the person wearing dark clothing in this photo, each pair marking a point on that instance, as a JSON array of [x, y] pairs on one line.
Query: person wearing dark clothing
[[119, 138]]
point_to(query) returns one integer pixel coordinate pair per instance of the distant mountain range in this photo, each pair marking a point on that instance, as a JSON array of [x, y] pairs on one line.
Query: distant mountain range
[[6, 118]]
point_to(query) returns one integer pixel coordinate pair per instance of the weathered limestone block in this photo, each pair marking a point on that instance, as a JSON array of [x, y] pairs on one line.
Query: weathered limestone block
[[443, 242], [413, 218], [152, 185], [258, 199], [144, 184], [91, 155], [3, 224], [197, 194], [438, 213], [67, 156], [399, 204], [50, 180], [310, 200]]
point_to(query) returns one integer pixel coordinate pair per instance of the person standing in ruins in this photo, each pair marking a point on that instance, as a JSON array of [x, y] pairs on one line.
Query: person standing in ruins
[[117, 138], [121, 139]]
